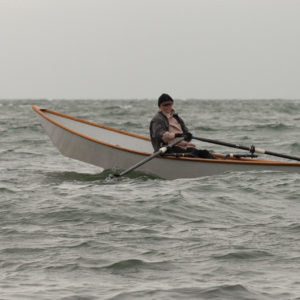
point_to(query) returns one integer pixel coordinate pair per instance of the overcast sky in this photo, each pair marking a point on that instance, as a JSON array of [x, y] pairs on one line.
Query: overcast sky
[[99, 49]]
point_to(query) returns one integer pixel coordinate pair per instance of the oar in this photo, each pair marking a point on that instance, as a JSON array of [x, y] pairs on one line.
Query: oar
[[252, 148], [155, 154]]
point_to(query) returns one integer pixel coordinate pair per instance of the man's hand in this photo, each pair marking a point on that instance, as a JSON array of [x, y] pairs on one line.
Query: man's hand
[[188, 136], [178, 135]]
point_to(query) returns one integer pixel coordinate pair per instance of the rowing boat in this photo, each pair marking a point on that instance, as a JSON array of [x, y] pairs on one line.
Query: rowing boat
[[111, 148]]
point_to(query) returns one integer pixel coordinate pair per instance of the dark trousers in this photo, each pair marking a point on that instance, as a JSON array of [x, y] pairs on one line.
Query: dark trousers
[[193, 152]]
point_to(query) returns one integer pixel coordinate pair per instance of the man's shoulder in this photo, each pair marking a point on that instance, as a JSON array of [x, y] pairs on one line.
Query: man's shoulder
[[158, 116]]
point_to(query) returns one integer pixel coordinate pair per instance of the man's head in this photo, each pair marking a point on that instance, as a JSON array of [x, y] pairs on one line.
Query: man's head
[[165, 103], [164, 98]]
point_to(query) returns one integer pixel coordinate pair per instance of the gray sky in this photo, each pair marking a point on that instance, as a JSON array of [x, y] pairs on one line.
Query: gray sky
[[103, 49]]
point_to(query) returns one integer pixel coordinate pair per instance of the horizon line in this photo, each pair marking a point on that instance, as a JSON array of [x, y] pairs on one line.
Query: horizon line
[[146, 99]]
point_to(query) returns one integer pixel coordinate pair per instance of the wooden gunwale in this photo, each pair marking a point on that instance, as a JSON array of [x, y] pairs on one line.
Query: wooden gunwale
[[41, 111], [245, 161]]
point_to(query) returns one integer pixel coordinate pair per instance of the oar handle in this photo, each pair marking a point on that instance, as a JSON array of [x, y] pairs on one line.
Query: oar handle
[[252, 149]]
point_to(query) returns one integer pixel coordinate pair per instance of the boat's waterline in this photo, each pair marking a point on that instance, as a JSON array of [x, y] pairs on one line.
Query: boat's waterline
[[111, 148]]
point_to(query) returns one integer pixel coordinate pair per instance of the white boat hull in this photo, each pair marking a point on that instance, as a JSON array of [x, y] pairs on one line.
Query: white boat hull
[[109, 148]]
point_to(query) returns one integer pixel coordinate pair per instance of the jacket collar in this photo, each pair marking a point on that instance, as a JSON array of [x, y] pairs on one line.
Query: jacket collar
[[172, 113]]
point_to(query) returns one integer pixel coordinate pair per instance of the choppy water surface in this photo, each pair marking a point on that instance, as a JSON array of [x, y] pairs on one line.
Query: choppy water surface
[[68, 232]]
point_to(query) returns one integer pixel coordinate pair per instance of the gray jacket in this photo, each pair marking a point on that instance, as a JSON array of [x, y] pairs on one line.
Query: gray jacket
[[159, 125]]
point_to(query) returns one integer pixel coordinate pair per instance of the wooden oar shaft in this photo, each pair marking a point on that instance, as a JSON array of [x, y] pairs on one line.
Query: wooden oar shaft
[[140, 163], [160, 151], [252, 149]]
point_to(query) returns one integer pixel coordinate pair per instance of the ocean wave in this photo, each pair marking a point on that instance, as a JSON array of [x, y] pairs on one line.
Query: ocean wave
[[141, 176], [247, 255], [295, 227], [74, 176], [63, 267], [105, 177], [22, 250], [295, 147], [135, 265], [274, 126], [7, 190], [126, 266], [204, 129], [229, 291]]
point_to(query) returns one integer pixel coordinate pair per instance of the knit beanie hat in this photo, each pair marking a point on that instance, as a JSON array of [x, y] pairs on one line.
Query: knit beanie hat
[[164, 98]]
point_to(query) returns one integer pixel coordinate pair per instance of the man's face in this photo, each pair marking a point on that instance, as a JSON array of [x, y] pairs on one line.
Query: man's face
[[166, 107]]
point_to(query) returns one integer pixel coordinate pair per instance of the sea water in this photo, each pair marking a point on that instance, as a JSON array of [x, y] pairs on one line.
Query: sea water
[[67, 231]]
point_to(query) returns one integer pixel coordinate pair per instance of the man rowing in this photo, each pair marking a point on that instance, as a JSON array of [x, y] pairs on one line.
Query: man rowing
[[166, 126]]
